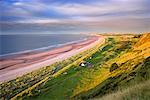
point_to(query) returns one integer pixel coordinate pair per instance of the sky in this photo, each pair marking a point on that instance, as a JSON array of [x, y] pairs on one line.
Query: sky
[[75, 16]]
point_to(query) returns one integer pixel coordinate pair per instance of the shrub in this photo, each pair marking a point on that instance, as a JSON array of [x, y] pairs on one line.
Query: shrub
[[137, 36], [113, 67]]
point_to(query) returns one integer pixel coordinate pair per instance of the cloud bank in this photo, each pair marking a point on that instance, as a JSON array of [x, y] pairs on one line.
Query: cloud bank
[[99, 15]]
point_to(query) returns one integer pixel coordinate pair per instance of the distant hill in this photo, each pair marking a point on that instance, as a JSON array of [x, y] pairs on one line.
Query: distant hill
[[144, 40]]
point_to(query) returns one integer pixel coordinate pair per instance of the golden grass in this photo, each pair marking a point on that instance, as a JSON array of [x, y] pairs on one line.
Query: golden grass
[[144, 39], [141, 51], [86, 84]]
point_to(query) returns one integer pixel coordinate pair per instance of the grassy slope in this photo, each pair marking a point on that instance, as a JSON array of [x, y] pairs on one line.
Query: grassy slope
[[84, 83], [80, 79], [134, 68]]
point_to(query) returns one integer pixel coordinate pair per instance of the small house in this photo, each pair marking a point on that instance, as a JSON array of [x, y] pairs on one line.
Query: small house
[[85, 64]]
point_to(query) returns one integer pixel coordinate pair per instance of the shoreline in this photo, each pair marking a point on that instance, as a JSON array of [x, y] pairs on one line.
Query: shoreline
[[25, 63], [42, 49]]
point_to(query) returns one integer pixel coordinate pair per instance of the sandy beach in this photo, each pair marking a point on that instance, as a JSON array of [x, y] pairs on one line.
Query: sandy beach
[[12, 67]]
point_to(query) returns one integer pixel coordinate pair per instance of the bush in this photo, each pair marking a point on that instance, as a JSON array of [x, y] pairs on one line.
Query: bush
[[113, 67], [137, 36]]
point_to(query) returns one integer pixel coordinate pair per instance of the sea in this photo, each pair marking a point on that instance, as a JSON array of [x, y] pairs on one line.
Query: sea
[[15, 44]]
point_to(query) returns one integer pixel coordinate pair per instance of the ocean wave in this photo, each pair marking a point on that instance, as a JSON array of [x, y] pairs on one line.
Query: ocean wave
[[42, 48]]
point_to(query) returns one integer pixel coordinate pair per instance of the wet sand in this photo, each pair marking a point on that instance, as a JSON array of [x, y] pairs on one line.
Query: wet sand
[[15, 66]]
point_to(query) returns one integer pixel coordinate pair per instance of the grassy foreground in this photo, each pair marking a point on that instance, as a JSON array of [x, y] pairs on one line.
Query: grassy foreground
[[120, 71]]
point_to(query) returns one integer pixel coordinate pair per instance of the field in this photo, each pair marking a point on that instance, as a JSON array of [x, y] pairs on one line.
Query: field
[[118, 69]]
